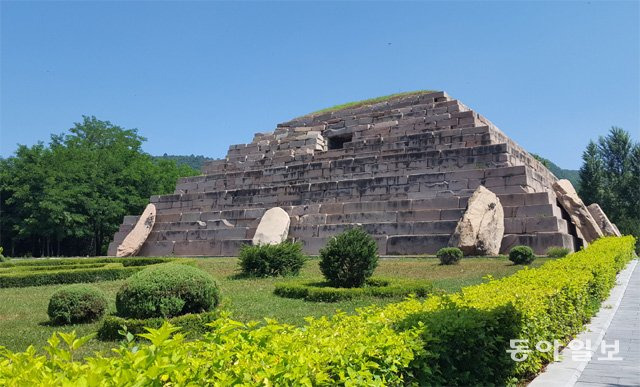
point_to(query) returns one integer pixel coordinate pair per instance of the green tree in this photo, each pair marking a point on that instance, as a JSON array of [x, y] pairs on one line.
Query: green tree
[[591, 175], [610, 177], [69, 198]]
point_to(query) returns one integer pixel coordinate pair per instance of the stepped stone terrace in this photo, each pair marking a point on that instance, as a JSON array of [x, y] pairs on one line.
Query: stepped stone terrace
[[402, 168]]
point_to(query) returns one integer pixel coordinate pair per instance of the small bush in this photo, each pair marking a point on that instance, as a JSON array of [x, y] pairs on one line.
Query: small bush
[[557, 252], [167, 291], [76, 304], [2, 258], [521, 255], [349, 258], [449, 255], [283, 259]]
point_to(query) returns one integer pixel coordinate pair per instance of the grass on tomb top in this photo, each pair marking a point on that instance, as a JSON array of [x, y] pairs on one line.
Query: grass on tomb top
[[369, 101], [23, 311]]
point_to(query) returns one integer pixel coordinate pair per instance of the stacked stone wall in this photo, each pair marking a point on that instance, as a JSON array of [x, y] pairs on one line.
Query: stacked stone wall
[[402, 169]]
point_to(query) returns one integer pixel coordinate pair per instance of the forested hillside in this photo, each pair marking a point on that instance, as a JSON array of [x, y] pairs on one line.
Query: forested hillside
[[570, 174], [192, 161]]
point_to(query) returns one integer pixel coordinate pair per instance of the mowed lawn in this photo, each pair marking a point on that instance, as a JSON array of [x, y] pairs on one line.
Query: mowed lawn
[[23, 311]]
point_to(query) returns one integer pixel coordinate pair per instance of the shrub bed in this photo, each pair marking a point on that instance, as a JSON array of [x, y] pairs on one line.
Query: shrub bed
[[374, 287], [192, 325], [167, 291], [458, 339], [283, 259], [76, 304], [40, 272]]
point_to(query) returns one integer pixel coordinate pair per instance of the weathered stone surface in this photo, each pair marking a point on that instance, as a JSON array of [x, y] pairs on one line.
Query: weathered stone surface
[[273, 227], [481, 228], [578, 212], [132, 243], [603, 221], [415, 244], [403, 168], [617, 230]]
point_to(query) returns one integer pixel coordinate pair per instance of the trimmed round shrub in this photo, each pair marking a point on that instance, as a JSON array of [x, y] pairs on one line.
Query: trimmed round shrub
[[167, 290], [521, 255], [449, 255], [76, 304], [349, 258], [283, 259], [557, 252]]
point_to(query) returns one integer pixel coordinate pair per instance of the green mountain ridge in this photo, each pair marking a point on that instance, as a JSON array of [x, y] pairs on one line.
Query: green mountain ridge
[[196, 162], [572, 175], [193, 161]]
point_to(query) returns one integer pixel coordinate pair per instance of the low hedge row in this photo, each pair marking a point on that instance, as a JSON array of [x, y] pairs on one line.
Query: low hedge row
[[458, 339], [66, 273], [192, 325], [374, 287], [24, 268], [125, 261]]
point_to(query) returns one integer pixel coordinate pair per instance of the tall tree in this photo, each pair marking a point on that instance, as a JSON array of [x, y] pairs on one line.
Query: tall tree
[[591, 175], [610, 176]]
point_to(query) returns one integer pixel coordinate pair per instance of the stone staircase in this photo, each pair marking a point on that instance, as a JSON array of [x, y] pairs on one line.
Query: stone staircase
[[403, 170]]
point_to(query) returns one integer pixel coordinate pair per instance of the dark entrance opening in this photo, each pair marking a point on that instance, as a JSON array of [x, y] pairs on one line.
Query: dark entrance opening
[[337, 142]]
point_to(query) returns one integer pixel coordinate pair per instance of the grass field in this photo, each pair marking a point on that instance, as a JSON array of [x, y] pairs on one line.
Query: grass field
[[369, 101], [23, 311]]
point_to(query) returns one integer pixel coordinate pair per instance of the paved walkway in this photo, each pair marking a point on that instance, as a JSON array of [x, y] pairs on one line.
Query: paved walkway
[[625, 328], [583, 363]]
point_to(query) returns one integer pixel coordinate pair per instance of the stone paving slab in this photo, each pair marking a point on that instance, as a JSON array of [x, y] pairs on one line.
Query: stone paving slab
[[625, 329], [618, 319]]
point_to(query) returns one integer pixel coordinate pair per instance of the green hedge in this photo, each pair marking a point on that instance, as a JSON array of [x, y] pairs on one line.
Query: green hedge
[[126, 261], [25, 268], [66, 271], [192, 325], [466, 335], [457, 339], [282, 259], [374, 287]]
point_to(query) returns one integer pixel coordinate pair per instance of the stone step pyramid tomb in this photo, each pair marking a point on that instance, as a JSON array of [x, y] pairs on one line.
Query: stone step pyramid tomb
[[403, 169]]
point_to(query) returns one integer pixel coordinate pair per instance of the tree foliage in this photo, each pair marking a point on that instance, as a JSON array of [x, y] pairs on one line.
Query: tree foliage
[[610, 176], [68, 197]]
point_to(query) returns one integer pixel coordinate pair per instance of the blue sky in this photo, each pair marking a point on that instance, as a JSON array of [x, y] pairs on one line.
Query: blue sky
[[196, 77]]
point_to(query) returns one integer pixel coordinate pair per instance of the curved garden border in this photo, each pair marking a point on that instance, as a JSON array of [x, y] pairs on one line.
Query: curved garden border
[[374, 287]]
